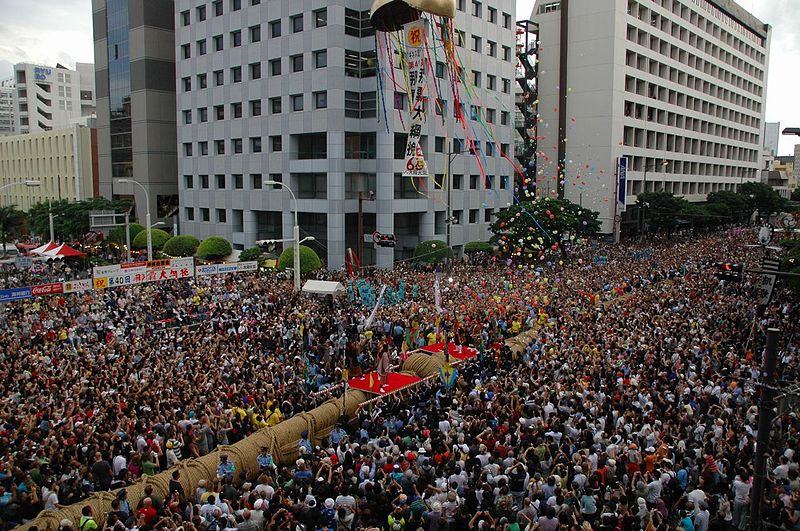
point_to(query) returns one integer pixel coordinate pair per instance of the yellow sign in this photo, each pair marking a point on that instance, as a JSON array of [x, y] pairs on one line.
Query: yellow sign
[[414, 36], [100, 282]]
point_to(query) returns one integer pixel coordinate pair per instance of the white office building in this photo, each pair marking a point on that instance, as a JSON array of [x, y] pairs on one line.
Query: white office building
[[51, 98], [677, 87], [7, 107], [287, 91]]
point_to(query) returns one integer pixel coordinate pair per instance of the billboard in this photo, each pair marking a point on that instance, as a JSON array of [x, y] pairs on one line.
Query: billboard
[[234, 267], [15, 294], [139, 272]]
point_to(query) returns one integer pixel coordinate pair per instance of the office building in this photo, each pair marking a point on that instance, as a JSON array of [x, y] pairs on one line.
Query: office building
[[51, 98], [772, 137], [7, 125], [134, 52], [282, 91], [62, 161], [676, 87]]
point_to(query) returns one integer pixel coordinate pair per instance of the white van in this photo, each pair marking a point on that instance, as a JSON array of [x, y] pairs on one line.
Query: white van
[[11, 250]]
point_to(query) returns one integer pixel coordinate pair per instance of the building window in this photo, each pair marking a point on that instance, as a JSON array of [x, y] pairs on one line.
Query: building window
[[297, 23], [236, 74], [220, 181], [218, 8], [477, 9], [487, 215], [189, 213], [203, 148], [439, 70], [321, 100], [203, 113], [185, 20], [504, 149], [255, 144], [312, 185], [219, 112], [187, 117], [204, 214], [491, 82], [255, 70], [275, 67], [219, 147], [506, 53], [491, 48], [236, 144], [504, 117], [473, 215], [320, 58], [473, 182], [506, 86], [236, 5], [201, 13], [476, 78], [490, 151], [238, 181], [276, 143], [277, 178], [297, 102], [222, 215], [400, 100], [204, 182], [461, 5], [458, 181], [255, 107], [188, 181], [219, 44], [201, 47], [357, 23], [506, 21], [236, 110], [490, 113], [186, 51], [236, 38], [275, 28], [320, 17], [256, 182], [187, 149], [438, 144], [255, 33], [359, 145], [297, 62], [492, 15], [476, 43], [219, 78], [275, 105], [359, 64], [202, 81]]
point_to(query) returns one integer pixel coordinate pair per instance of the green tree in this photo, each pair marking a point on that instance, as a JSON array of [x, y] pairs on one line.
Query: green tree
[[661, 210], [738, 205], [432, 252], [158, 236], [309, 260], [182, 245], [12, 223], [214, 248], [70, 219], [532, 227], [117, 234], [763, 197], [795, 195], [253, 253], [478, 247]]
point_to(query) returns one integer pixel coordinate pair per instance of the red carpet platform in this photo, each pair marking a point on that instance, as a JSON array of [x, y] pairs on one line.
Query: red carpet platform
[[395, 381], [459, 352]]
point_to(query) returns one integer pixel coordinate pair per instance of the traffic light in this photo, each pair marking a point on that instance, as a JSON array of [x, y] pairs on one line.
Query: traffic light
[[729, 271]]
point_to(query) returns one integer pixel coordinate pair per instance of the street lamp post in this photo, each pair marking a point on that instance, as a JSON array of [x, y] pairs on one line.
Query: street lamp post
[[449, 220], [295, 233], [147, 209]]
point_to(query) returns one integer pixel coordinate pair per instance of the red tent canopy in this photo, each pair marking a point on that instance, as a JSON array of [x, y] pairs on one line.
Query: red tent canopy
[[64, 251], [49, 246]]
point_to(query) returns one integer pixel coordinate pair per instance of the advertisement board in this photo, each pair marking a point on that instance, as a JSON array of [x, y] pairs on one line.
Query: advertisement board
[[47, 289], [75, 286], [233, 267], [15, 294], [139, 273]]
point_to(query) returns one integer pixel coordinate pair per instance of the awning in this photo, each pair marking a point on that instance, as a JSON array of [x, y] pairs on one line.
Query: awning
[[323, 287], [64, 251], [49, 246]]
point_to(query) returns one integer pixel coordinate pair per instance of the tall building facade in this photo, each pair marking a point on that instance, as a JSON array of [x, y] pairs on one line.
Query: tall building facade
[[61, 160], [772, 138], [47, 98], [282, 91], [675, 87], [7, 121], [134, 51]]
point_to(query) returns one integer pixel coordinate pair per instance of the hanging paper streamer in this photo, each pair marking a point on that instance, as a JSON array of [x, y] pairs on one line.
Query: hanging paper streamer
[[414, 33], [375, 309]]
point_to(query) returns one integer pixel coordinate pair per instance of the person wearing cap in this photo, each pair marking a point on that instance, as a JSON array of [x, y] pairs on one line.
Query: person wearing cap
[[226, 468]]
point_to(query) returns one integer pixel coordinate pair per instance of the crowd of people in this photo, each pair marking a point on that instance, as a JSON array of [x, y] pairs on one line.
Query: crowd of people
[[633, 406]]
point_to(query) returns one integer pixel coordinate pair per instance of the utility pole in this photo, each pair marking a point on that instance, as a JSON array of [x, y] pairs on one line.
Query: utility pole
[[766, 405], [361, 199], [449, 217]]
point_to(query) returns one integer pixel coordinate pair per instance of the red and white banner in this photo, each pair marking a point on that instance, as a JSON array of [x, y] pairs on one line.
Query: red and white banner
[[47, 289]]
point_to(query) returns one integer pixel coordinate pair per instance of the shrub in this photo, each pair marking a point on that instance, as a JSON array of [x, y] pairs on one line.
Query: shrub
[[159, 238], [183, 245], [432, 251], [214, 248], [309, 261], [252, 253], [478, 247], [117, 234]]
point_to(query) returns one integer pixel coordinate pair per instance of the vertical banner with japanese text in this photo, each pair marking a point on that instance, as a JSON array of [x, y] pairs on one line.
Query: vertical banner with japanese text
[[414, 34]]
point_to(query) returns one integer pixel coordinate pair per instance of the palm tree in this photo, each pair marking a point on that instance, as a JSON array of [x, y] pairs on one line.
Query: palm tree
[[11, 223]]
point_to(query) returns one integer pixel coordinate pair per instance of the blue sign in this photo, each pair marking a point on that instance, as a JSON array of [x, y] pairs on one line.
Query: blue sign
[[15, 294], [622, 174], [41, 73]]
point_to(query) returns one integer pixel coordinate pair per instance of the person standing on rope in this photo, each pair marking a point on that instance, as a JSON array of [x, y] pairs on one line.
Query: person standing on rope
[[384, 363]]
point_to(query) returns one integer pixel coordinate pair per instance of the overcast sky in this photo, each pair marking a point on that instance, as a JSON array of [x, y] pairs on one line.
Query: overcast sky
[[51, 31]]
